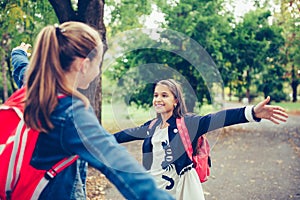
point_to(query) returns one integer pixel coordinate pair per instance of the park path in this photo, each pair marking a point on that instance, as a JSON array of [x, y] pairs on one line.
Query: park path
[[257, 161]]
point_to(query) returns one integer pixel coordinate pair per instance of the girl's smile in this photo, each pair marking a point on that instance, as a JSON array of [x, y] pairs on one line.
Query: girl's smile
[[163, 100]]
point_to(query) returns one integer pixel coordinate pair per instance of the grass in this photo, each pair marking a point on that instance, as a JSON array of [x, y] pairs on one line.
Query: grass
[[290, 107], [118, 116]]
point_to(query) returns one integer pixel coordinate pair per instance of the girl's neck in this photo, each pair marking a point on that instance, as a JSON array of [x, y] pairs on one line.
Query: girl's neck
[[164, 118]]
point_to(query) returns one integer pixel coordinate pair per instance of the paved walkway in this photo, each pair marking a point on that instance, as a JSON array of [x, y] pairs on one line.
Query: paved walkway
[[258, 161]]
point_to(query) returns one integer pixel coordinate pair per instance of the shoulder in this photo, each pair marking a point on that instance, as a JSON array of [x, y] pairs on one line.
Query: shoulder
[[71, 106], [192, 118]]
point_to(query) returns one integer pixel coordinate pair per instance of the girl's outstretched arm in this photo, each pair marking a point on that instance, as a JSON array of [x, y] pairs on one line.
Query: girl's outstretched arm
[[275, 114], [19, 57]]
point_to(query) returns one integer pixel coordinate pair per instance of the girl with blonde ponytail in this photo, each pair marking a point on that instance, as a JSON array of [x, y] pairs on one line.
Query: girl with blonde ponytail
[[64, 58], [56, 50]]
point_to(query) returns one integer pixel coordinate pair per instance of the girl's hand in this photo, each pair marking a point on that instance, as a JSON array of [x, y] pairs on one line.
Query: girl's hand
[[23, 46], [276, 114]]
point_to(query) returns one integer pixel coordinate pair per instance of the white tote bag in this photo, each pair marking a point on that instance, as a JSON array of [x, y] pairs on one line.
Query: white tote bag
[[189, 186]]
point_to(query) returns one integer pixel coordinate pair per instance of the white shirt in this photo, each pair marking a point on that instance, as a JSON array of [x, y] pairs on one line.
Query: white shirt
[[164, 173], [187, 186]]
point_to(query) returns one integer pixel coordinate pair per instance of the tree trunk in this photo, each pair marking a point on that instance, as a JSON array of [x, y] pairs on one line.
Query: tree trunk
[[4, 79], [248, 80], [4, 42], [294, 88], [294, 83], [10, 71], [89, 12]]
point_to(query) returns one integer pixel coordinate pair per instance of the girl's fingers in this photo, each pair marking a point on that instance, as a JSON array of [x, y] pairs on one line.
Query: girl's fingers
[[274, 121], [283, 119], [281, 113]]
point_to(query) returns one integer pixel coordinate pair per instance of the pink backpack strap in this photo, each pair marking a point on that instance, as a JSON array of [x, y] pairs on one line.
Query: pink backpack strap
[[152, 123], [60, 166], [51, 173], [185, 137]]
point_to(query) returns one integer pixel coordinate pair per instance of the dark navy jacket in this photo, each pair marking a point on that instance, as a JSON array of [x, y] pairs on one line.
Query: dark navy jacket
[[197, 126]]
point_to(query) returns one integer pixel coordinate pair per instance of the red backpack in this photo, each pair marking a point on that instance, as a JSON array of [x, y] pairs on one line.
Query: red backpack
[[200, 158], [18, 179]]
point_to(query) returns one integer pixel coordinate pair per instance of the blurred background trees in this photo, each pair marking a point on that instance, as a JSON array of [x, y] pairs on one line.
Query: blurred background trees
[[256, 53]]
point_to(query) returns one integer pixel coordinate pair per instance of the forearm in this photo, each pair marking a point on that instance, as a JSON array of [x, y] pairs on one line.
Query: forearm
[[92, 143], [19, 62], [227, 118], [131, 134]]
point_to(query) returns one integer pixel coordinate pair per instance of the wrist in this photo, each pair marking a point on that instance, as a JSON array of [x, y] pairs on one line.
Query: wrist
[[253, 115]]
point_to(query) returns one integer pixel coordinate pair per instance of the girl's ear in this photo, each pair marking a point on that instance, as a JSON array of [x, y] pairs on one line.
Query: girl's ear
[[84, 65]]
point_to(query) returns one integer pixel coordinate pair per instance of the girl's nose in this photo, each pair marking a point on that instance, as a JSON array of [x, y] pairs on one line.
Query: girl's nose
[[157, 99]]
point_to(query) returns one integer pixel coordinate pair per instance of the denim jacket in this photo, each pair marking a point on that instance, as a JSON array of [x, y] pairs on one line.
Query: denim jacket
[[19, 62], [78, 132], [196, 125]]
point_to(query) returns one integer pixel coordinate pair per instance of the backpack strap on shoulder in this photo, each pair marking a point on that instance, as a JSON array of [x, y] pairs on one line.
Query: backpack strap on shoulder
[[152, 123], [185, 137], [51, 173], [60, 166]]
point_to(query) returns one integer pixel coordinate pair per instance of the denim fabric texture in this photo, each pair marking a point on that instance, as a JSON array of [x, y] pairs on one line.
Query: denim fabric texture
[[78, 132], [19, 62]]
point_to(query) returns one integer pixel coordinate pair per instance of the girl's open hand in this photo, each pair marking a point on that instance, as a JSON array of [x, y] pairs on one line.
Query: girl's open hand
[[276, 114], [23, 46]]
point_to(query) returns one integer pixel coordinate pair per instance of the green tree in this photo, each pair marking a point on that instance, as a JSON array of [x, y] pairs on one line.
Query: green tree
[[208, 23], [258, 44], [190, 21], [23, 19], [126, 15], [289, 19], [20, 21]]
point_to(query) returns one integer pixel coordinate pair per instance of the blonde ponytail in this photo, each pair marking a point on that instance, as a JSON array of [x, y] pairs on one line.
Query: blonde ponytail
[[54, 51]]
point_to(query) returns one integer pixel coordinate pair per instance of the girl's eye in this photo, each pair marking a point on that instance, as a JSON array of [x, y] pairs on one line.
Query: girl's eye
[[155, 95], [165, 95]]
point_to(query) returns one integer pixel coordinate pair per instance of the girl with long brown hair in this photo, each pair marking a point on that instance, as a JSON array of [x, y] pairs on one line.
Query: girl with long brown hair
[[164, 155], [64, 58]]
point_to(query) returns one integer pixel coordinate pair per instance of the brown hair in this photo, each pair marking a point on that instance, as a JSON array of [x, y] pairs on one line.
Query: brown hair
[[180, 109], [55, 50]]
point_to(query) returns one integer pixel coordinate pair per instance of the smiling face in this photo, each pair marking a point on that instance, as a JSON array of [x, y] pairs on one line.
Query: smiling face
[[163, 101]]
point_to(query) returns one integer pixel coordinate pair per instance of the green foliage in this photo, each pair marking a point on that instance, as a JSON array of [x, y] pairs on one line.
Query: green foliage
[[20, 21], [272, 83], [23, 19], [126, 14], [289, 19], [258, 44], [248, 53], [194, 19]]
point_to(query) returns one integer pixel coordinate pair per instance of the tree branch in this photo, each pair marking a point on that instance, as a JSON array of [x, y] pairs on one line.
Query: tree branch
[[63, 10]]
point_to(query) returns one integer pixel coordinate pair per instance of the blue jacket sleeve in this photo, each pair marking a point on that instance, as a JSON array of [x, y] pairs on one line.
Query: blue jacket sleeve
[[19, 62], [86, 138]]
